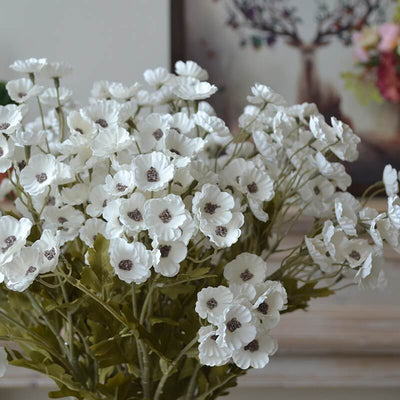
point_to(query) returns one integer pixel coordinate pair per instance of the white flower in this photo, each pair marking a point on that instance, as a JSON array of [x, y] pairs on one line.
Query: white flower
[[157, 77], [39, 173], [75, 195], [98, 199], [152, 132], [49, 97], [191, 69], [49, 249], [152, 171], [13, 234], [120, 184], [182, 148], [169, 256], [165, 216], [390, 180], [211, 124], [112, 214], [346, 211], [29, 66], [237, 328], [66, 219], [10, 119], [357, 251], [56, 70], [212, 206], [81, 124], [6, 153], [394, 210], [226, 234], [346, 149], [131, 261], [271, 299], [318, 252], [264, 94], [89, 231], [21, 90], [22, 270], [256, 353], [193, 89], [132, 210], [246, 268], [3, 361], [122, 92], [210, 352], [212, 303], [257, 185], [371, 275], [103, 113], [110, 141], [101, 90]]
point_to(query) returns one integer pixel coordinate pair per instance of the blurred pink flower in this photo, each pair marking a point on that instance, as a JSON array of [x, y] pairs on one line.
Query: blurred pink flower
[[388, 77], [359, 51], [390, 34]]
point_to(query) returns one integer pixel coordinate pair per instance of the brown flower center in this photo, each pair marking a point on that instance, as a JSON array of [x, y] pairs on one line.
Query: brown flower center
[[4, 126], [221, 231], [30, 270], [102, 122], [120, 187], [79, 130], [355, 255], [252, 187], [263, 308], [125, 265], [152, 175], [136, 215], [210, 208], [212, 303], [165, 216], [50, 254], [164, 250], [246, 275], [233, 324], [62, 220], [252, 346], [9, 241], [317, 191], [1, 152], [21, 95], [158, 134], [41, 177]]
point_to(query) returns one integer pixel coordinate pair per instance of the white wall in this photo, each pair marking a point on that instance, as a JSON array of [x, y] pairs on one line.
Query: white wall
[[102, 39]]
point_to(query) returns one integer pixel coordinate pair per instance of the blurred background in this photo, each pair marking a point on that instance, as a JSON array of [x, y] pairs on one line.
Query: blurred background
[[347, 347]]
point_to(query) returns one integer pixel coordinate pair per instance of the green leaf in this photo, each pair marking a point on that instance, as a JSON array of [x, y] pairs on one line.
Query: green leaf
[[365, 90], [163, 320]]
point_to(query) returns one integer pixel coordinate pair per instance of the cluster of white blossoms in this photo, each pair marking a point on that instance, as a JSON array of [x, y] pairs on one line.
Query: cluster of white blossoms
[[240, 315], [152, 169]]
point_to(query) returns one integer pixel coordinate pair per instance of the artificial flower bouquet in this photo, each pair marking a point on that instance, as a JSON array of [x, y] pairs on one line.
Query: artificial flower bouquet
[[377, 51], [135, 252]]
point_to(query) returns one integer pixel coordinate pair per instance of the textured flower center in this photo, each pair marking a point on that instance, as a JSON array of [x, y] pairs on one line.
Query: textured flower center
[[102, 122], [210, 208], [246, 275], [252, 346], [21, 95], [164, 250], [214, 337], [158, 134], [212, 303], [317, 191], [41, 177], [233, 324], [62, 220], [263, 308], [136, 215], [252, 187], [105, 203], [165, 216], [9, 241], [51, 201], [50, 254], [30, 270], [4, 126], [125, 265], [79, 130], [120, 187], [21, 165], [175, 151], [221, 231], [152, 175], [355, 255], [1, 152]]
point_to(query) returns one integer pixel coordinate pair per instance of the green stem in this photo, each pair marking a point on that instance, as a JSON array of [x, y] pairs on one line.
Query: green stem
[[171, 367], [192, 383]]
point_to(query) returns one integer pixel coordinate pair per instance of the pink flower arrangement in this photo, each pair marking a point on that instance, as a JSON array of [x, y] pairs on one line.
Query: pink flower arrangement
[[377, 51]]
